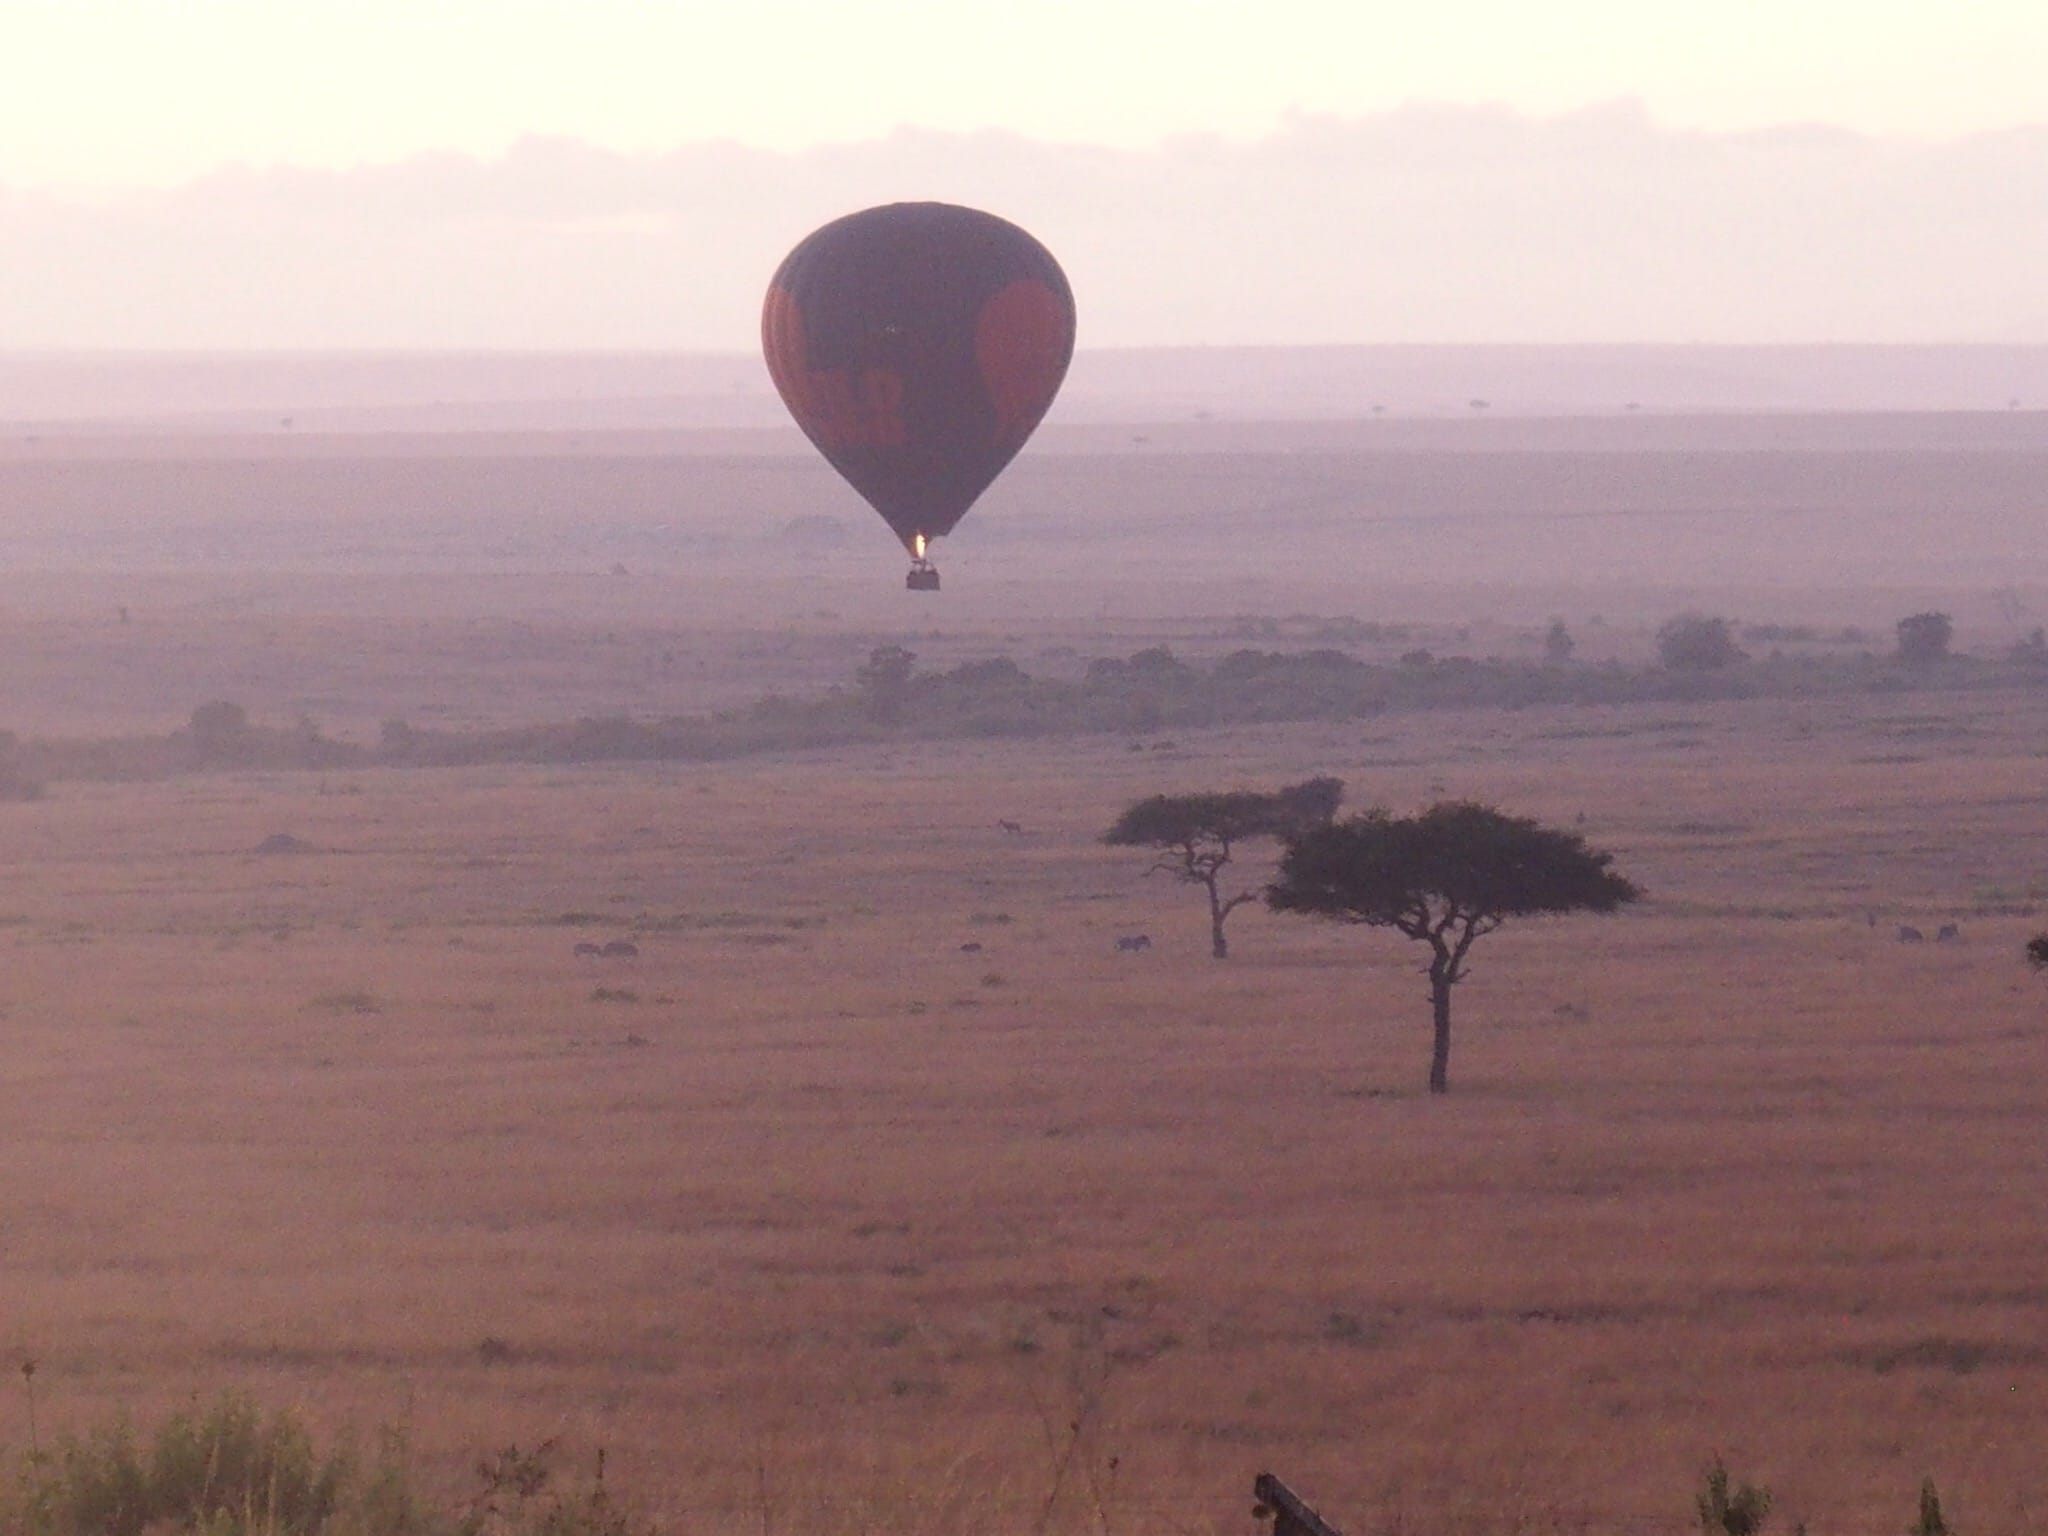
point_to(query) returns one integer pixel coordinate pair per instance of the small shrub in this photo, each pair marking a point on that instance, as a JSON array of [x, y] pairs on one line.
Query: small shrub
[[346, 1002], [221, 734], [1924, 638], [1349, 1328], [1693, 642], [1930, 1521], [519, 1496], [1727, 1509], [226, 1469], [231, 1470], [397, 739]]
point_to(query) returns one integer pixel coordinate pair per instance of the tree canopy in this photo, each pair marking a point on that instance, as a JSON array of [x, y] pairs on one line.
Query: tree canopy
[[1446, 878], [1453, 862], [1196, 835], [1693, 642], [1924, 638]]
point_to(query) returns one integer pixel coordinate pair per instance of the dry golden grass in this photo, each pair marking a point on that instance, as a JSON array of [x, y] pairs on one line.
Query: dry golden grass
[[815, 1221]]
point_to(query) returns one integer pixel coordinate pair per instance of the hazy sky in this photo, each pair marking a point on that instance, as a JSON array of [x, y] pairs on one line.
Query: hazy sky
[[605, 174], [137, 93]]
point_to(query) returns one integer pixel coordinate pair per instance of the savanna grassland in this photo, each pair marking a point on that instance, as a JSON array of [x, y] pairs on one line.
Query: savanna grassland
[[813, 1217]]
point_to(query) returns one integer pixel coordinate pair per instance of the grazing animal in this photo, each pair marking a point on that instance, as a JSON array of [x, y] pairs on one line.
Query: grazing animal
[[1911, 935], [1131, 943], [589, 949], [1014, 828], [621, 949], [1949, 934], [972, 948]]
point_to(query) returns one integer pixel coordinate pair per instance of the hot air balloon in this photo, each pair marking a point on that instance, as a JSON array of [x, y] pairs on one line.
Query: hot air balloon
[[918, 345]]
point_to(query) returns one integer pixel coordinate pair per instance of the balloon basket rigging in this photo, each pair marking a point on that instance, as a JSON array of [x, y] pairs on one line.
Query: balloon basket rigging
[[923, 577]]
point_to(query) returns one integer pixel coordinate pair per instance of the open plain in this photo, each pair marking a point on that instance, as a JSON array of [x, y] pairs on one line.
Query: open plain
[[878, 1189]]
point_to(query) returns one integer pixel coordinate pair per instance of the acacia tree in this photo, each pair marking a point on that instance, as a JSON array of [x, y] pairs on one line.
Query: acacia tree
[[1197, 835], [1445, 878]]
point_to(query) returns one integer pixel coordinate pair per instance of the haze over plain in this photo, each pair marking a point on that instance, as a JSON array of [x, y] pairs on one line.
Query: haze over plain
[[619, 176], [337, 658]]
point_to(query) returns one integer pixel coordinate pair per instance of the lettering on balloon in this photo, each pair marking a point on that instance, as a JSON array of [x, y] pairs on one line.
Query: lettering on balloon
[[845, 408]]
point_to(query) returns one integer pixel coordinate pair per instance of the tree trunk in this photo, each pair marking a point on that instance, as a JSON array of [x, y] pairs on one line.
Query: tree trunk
[[1218, 946], [1440, 1059]]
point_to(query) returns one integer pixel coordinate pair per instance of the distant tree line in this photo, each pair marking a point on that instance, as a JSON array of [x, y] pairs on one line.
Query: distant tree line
[[889, 696], [15, 782]]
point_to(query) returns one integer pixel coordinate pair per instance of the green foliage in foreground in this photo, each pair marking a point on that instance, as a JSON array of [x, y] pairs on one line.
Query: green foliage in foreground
[[1727, 1508], [231, 1470]]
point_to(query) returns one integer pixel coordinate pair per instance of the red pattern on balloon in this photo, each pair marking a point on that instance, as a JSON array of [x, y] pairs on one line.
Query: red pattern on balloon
[[1022, 339]]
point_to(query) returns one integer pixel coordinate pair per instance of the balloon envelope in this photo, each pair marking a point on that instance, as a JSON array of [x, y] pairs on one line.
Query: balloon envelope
[[918, 345]]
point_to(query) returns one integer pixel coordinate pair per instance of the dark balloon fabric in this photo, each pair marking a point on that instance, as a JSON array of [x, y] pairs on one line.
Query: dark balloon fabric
[[918, 345]]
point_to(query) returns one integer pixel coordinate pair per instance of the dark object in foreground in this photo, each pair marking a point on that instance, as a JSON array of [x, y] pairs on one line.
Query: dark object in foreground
[[1447, 878], [1284, 1507], [923, 577]]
